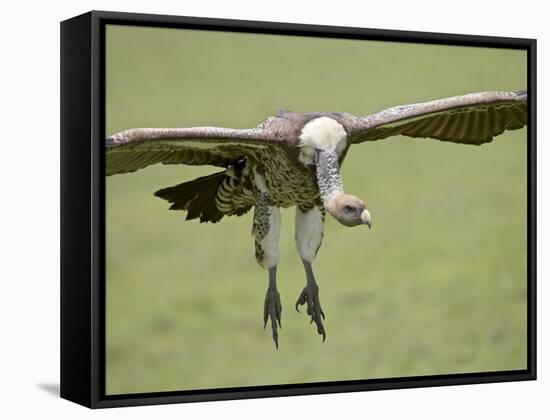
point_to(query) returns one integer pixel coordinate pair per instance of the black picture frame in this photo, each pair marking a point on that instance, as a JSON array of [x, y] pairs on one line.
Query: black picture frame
[[83, 208]]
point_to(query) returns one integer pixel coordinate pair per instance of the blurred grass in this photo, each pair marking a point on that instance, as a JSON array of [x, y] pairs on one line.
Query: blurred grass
[[437, 286]]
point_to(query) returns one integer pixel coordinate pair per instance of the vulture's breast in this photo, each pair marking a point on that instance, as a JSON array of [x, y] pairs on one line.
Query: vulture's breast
[[288, 180]]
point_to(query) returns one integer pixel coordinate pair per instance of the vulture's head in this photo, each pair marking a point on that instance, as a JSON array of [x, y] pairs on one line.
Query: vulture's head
[[349, 210]]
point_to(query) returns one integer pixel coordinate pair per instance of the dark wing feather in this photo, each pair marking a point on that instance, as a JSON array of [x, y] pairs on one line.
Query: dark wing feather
[[469, 119], [197, 197], [137, 148]]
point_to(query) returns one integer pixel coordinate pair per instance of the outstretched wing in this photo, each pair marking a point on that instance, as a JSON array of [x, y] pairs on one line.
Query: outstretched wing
[[469, 119], [134, 149]]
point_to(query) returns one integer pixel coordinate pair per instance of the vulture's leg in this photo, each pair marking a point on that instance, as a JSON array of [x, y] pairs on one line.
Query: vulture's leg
[[266, 227], [309, 234]]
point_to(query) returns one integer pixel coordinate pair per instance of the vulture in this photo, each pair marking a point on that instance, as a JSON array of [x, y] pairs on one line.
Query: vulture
[[294, 159]]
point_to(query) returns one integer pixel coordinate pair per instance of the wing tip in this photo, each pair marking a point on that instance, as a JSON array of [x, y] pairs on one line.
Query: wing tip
[[110, 142], [521, 95]]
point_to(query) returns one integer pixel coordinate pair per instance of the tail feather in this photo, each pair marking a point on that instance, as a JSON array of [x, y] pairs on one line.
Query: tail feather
[[197, 197]]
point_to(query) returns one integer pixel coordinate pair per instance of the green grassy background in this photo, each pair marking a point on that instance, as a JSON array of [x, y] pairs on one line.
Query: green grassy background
[[437, 286]]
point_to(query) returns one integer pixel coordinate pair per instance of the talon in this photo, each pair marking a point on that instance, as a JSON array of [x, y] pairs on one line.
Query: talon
[[266, 311], [310, 296], [301, 299], [273, 310]]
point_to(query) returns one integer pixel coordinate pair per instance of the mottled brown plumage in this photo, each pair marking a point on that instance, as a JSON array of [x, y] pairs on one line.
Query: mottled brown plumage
[[294, 160], [273, 146]]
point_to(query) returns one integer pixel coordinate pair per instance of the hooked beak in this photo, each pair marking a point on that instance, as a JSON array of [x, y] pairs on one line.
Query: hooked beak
[[365, 218]]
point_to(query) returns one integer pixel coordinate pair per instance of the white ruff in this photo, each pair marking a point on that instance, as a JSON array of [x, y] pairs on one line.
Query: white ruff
[[322, 133], [309, 232]]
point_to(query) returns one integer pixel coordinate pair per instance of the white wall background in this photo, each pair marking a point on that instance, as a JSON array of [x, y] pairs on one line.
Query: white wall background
[[29, 231]]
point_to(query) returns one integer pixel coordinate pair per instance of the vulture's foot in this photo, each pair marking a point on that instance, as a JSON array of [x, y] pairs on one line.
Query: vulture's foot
[[272, 306], [310, 297]]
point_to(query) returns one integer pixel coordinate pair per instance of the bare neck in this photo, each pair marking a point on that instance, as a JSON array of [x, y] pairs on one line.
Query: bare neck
[[328, 177]]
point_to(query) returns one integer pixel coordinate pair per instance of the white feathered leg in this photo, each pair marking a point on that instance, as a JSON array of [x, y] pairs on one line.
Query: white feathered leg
[[309, 235], [266, 229]]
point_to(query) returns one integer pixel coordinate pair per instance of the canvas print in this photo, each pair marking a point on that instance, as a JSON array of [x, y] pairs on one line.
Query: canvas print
[[293, 209]]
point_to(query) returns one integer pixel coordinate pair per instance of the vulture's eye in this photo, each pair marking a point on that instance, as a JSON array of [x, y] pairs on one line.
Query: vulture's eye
[[349, 209]]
